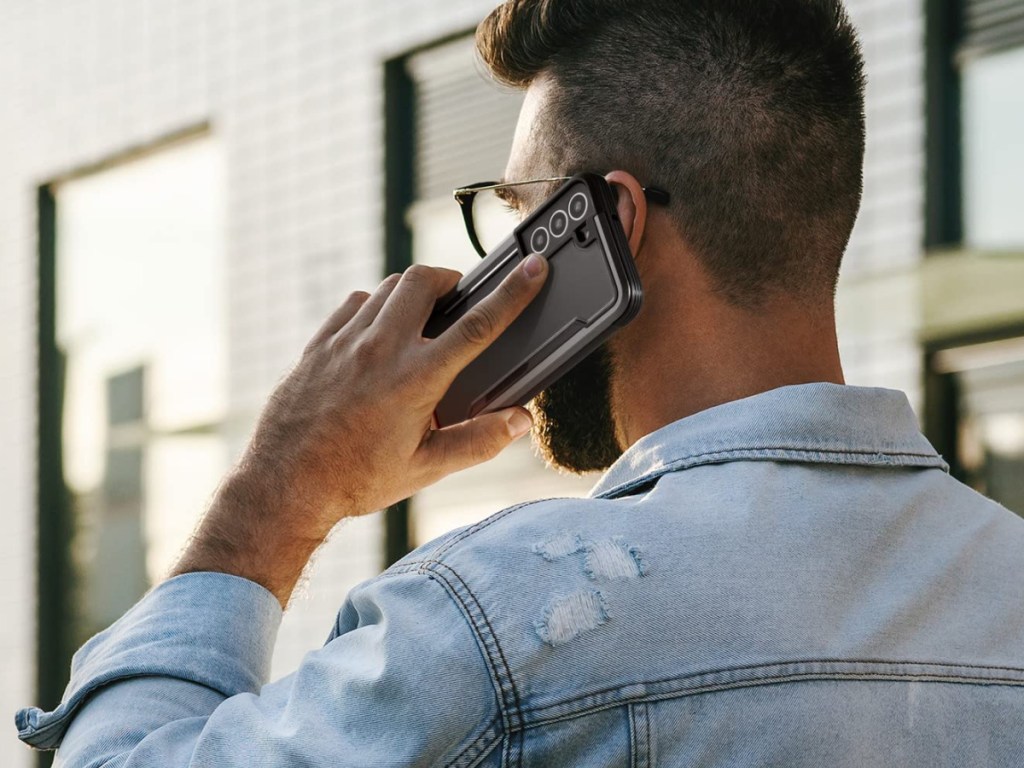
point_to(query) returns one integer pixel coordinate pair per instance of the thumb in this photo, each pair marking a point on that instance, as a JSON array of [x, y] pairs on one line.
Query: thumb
[[473, 442]]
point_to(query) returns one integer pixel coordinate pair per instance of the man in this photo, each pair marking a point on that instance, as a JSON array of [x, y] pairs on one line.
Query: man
[[775, 569]]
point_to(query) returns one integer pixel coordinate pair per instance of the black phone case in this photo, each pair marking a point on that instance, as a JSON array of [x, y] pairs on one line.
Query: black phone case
[[591, 291]]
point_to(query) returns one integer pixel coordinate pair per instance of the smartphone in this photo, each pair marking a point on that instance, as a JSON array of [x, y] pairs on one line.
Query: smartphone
[[592, 290]]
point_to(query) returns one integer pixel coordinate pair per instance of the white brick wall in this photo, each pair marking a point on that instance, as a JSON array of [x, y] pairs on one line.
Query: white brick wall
[[293, 91], [878, 306]]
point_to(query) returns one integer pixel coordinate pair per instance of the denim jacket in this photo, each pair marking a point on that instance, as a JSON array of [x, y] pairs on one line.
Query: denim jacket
[[790, 579]]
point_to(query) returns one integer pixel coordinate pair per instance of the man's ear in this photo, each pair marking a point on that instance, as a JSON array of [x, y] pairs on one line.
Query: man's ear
[[632, 206]]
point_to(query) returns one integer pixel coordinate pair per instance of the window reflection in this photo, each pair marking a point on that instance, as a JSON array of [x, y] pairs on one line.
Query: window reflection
[[989, 380], [141, 321]]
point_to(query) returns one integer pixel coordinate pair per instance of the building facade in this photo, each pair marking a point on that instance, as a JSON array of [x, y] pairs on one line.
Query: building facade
[[189, 188]]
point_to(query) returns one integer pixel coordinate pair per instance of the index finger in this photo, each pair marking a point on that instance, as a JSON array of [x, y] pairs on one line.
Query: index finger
[[476, 330]]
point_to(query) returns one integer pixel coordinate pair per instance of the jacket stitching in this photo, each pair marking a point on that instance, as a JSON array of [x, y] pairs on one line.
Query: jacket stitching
[[633, 735], [645, 750], [513, 718], [517, 707], [762, 453], [820, 451], [491, 730], [486, 750], [519, 723], [483, 744], [445, 546], [887, 662], [751, 682], [651, 757], [490, 662]]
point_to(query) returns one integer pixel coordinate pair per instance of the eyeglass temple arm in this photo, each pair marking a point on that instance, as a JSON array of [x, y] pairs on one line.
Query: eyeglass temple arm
[[656, 195], [464, 197]]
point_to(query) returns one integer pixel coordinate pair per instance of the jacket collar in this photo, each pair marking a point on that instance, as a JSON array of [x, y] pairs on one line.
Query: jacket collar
[[820, 423]]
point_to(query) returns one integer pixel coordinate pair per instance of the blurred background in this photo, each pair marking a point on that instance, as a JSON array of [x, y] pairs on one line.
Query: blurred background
[[188, 188]]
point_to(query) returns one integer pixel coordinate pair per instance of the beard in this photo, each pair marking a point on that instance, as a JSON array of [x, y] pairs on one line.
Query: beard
[[574, 429]]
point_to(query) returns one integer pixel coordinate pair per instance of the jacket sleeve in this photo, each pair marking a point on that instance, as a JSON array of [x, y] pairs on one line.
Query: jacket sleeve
[[177, 682]]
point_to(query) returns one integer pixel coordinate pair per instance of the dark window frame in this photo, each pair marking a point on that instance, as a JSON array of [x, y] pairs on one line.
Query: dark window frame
[[54, 568], [399, 165], [943, 214], [944, 24]]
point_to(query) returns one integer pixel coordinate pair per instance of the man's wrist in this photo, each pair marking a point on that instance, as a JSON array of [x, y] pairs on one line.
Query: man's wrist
[[254, 530]]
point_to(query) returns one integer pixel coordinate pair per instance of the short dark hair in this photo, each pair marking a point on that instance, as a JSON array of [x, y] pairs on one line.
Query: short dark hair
[[749, 112]]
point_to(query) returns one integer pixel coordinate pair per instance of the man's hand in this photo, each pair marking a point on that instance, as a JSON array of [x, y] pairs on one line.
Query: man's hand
[[349, 430]]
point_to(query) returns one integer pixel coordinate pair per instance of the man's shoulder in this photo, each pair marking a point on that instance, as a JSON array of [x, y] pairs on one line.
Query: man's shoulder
[[540, 574], [519, 530]]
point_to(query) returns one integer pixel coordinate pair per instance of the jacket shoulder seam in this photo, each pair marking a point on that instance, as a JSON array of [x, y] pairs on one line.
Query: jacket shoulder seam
[[771, 674], [496, 659], [483, 738]]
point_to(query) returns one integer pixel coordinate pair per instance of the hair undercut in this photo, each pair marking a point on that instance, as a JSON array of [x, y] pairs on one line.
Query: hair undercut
[[749, 112]]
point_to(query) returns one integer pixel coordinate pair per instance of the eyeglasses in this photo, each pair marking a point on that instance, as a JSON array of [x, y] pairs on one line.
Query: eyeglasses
[[490, 212]]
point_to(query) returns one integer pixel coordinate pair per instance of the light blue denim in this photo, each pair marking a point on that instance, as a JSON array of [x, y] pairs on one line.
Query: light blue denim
[[791, 579]]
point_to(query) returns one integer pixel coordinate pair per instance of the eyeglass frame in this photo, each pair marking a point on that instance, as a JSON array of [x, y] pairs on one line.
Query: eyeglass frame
[[464, 196]]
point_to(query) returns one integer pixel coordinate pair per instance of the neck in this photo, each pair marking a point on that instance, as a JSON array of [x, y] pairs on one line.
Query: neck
[[714, 354]]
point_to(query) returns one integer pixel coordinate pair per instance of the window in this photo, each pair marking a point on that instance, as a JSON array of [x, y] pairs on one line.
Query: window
[[973, 314], [139, 323], [992, 111]]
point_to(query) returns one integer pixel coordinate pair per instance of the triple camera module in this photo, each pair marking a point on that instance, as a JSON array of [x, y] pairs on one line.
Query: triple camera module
[[558, 223]]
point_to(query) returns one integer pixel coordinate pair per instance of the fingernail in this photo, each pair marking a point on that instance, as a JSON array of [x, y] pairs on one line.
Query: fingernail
[[519, 423], [533, 265]]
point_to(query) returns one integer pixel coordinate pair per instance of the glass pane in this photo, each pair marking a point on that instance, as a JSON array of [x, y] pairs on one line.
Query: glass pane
[[141, 318], [992, 431], [993, 124], [439, 235]]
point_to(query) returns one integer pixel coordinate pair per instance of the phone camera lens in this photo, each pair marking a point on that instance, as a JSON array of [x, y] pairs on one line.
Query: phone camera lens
[[559, 223], [539, 240], [578, 205]]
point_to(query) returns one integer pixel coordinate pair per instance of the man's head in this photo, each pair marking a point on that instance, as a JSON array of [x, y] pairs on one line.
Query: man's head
[[750, 114]]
